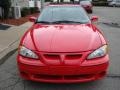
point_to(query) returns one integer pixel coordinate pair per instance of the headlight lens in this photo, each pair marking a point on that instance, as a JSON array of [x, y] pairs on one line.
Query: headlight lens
[[27, 53], [102, 51]]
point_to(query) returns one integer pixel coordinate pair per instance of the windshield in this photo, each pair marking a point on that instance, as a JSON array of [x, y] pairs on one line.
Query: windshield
[[63, 14]]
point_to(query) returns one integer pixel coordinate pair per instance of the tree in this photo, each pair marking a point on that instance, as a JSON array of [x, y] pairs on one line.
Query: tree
[[5, 5]]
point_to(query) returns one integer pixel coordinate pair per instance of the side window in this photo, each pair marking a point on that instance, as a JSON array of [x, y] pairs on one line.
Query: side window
[[118, 1]]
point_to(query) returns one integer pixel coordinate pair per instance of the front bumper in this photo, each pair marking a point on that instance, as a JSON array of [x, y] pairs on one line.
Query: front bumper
[[86, 71]]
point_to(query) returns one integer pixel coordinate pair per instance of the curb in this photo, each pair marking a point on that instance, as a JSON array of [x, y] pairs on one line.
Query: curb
[[12, 47], [8, 51]]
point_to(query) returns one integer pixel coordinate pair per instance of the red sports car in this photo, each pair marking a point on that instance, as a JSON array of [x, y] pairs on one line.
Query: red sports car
[[63, 46]]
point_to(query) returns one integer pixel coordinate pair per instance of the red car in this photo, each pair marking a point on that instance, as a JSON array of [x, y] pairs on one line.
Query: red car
[[63, 46], [87, 5]]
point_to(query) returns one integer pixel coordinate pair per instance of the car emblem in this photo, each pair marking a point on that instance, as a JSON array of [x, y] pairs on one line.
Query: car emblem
[[62, 58]]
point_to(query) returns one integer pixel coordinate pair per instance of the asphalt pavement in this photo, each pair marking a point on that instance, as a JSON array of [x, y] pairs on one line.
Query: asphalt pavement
[[4, 27], [10, 36], [10, 80]]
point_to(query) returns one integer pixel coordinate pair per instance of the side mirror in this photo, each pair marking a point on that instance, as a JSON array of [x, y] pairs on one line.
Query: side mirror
[[94, 19], [32, 19]]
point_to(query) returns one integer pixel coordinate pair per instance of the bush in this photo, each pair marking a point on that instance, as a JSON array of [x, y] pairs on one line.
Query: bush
[[48, 0], [5, 5], [34, 10], [100, 3], [25, 11]]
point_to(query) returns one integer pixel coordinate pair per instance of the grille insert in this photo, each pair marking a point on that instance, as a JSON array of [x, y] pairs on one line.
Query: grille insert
[[52, 57], [66, 77], [73, 56], [62, 58]]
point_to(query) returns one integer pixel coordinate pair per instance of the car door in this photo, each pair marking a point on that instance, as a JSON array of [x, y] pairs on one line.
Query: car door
[[117, 2]]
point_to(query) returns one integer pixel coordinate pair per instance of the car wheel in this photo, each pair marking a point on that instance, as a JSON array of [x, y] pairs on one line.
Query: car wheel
[[114, 5], [91, 11]]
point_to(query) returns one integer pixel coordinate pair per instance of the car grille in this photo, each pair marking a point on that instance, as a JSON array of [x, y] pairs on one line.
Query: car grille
[[61, 58], [52, 57], [65, 77]]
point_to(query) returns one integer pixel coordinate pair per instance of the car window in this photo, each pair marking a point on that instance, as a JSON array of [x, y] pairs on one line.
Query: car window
[[63, 13], [85, 2]]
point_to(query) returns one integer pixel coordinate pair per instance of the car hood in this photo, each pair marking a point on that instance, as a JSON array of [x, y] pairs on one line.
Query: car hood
[[65, 38]]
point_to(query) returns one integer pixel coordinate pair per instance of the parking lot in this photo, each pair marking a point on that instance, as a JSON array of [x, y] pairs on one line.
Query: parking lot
[[109, 23]]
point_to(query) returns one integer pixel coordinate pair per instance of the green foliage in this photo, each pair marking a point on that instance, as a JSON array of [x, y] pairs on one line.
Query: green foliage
[[47, 0], [33, 10], [27, 11], [5, 5], [100, 2]]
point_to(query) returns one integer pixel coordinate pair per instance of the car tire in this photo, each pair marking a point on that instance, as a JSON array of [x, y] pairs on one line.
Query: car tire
[[91, 11], [114, 5]]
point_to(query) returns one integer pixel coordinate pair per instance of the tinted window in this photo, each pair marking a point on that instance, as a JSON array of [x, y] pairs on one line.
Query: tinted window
[[64, 13], [85, 2]]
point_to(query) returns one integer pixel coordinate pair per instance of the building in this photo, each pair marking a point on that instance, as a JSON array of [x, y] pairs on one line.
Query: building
[[17, 5], [21, 3], [26, 3]]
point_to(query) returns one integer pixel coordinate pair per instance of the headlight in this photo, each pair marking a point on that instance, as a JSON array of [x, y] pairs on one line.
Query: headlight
[[102, 51], [27, 53]]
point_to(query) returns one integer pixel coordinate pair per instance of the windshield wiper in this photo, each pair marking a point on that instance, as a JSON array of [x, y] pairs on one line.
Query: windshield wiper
[[59, 22], [65, 21], [44, 22]]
